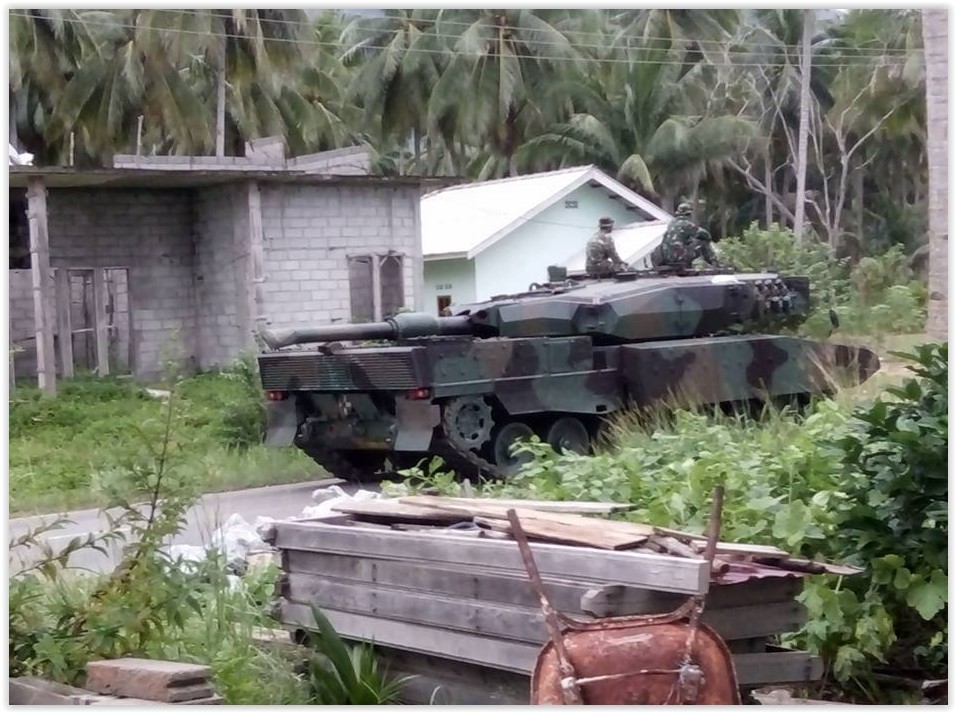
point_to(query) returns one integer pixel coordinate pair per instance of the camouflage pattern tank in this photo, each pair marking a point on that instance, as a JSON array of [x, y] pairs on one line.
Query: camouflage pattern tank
[[555, 361]]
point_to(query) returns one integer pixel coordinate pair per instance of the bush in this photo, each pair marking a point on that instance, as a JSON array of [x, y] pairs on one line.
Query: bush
[[893, 520], [878, 295], [152, 607], [867, 486]]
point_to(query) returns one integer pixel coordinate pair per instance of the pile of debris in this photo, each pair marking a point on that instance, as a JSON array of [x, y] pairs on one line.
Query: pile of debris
[[567, 523]]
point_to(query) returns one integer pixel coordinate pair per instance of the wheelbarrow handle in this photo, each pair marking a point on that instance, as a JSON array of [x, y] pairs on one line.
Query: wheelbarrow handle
[[569, 686]]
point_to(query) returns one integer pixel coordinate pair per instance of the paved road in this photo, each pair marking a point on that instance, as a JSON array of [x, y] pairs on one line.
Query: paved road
[[277, 501]]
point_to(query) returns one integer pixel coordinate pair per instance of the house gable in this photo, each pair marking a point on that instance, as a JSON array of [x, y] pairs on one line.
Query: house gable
[[466, 220], [562, 229]]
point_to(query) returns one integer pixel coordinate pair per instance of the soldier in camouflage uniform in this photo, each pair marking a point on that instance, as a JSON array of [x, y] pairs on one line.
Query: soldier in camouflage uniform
[[602, 257], [683, 242]]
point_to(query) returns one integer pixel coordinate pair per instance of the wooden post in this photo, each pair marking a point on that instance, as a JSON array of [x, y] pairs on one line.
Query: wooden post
[[100, 298], [254, 264], [376, 268], [42, 287], [64, 322]]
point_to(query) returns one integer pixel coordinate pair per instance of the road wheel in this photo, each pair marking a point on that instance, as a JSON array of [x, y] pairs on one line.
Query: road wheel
[[569, 434], [506, 436]]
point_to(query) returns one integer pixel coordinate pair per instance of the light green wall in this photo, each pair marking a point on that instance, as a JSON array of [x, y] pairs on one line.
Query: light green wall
[[550, 238], [448, 277]]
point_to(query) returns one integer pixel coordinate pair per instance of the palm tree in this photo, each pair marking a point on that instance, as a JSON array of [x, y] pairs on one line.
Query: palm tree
[[647, 123], [249, 58], [936, 44], [46, 47], [489, 97], [395, 63]]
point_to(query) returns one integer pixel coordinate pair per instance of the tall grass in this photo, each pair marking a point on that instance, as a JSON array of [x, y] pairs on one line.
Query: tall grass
[[65, 451]]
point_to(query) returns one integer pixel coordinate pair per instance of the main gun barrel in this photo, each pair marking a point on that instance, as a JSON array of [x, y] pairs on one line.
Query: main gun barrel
[[405, 325]]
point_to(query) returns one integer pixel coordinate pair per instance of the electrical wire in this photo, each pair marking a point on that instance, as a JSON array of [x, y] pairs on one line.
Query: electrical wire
[[451, 52], [726, 44]]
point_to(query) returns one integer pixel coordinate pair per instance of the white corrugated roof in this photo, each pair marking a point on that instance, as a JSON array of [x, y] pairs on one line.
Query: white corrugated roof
[[633, 241], [461, 221]]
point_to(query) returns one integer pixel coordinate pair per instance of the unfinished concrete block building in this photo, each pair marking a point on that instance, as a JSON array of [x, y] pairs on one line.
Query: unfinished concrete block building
[[185, 258]]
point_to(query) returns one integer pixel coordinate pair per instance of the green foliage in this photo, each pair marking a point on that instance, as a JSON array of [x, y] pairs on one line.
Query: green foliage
[[879, 295], [229, 403], [339, 674], [150, 606], [119, 614], [894, 521], [864, 485], [68, 450]]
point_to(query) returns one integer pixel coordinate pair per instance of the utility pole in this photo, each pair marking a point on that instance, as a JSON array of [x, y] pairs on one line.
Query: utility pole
[[804, 128]]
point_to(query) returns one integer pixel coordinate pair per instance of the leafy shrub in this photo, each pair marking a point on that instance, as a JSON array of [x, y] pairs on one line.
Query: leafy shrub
[[150, 606], [229, 403], [893, 521], [865, 485], [346, 675], [878, 295]]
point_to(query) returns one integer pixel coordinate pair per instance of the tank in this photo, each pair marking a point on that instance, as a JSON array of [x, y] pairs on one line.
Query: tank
[[556, 361]]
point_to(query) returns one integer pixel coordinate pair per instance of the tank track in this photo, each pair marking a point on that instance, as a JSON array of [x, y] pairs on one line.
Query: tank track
[[338, 465], [466, 462]]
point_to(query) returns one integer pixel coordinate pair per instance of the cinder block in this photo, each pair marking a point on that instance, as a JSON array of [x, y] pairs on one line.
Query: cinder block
[[152, 680]]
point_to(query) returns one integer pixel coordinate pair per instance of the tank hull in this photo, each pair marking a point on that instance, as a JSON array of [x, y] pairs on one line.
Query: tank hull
[[453, 396]]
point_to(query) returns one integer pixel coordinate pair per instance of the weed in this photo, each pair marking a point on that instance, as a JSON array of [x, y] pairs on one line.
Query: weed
[[340, 674], [67, 451]]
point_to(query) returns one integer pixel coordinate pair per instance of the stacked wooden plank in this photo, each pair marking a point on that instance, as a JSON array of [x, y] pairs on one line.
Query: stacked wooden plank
[[440, 579]]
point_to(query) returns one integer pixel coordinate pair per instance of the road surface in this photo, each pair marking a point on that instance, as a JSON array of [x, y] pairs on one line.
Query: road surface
[[276, 501]]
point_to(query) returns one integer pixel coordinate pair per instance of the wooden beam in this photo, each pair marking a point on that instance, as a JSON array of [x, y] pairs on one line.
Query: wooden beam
[[376, 267], [101, 320], [440, 579], [64, 322], [512, 623], [471, 648], [668, 574], [566, 506], [43, 316], [752, 669], [255, 276]]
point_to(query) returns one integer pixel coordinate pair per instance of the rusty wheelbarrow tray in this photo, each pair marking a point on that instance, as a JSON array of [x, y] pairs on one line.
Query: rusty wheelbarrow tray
[[631, 660]]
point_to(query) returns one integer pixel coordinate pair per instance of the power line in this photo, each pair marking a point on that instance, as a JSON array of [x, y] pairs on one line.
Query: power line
[[451, 52], [728, 44]]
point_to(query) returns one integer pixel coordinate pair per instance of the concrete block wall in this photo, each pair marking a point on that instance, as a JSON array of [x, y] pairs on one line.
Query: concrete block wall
[[21, 305], [151, 233], [220, 274], [310, 230]]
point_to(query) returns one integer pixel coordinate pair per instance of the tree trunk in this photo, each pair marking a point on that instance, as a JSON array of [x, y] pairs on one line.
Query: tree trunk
[[936, 52], [804, 128], [858, 203], [767, 197], [221, 102]]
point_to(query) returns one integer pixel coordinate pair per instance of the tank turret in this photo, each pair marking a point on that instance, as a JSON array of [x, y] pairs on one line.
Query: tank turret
[[555, 361], [628, 308]]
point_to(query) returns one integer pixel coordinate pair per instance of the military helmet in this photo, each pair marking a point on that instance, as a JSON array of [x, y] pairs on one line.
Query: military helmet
[[684, 209], [606, 222]]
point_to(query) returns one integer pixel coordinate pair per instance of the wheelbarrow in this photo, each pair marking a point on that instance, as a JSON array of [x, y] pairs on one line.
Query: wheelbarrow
[[655, 659]]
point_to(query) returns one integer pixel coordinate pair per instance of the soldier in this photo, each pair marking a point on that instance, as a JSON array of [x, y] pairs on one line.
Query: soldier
[[683, 241], [602, 257]]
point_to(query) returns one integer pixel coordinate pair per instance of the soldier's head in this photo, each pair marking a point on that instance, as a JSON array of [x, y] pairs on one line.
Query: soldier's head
[[684, 211], [606, 225]]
